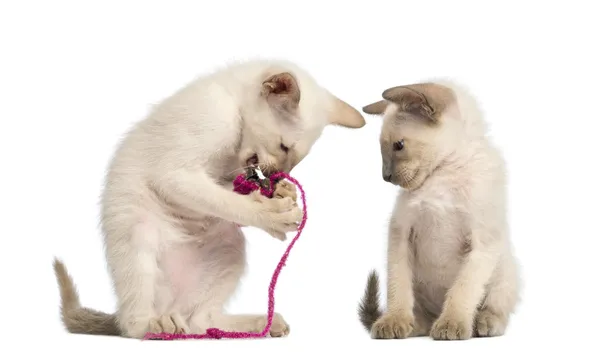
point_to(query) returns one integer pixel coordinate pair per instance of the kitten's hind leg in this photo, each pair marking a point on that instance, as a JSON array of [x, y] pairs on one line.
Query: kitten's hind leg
[[253, 324], [210, 312], [501, 298], [227, 263], [132, 254]]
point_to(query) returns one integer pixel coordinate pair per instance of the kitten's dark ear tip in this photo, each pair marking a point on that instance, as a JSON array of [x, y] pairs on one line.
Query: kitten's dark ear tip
[[386, 94], [393, 93], [376, 108]]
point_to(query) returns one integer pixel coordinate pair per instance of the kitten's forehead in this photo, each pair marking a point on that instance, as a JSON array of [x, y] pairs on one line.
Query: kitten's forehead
[[389, 130], [401, 125], [391, 111], [393, 118]]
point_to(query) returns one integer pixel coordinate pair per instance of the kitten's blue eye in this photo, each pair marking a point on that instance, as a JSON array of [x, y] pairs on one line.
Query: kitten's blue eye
[[399, 145], [284, 148]]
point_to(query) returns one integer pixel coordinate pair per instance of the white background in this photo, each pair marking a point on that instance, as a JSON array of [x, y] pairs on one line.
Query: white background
[[75, 75]]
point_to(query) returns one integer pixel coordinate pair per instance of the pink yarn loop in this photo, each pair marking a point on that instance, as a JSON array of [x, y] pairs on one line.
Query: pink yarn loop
[[243, 186]]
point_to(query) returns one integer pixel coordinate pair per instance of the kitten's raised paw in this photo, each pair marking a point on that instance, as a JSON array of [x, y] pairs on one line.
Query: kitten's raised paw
[[277, 215], [450, 328], [168, 324], [285, 189], [488, 324], [393, 326]]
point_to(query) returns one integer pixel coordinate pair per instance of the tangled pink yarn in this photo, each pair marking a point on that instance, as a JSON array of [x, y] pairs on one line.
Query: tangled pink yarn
[[244, 186]]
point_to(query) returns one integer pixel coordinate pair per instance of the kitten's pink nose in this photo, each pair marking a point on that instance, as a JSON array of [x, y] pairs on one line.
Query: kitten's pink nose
[[252, 161]]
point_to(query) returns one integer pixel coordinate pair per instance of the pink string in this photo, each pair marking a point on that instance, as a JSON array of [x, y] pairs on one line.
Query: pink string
[[243, 186]]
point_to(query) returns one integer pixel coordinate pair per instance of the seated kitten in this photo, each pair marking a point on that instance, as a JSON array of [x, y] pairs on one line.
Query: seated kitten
[[170, 218], [451, 271]]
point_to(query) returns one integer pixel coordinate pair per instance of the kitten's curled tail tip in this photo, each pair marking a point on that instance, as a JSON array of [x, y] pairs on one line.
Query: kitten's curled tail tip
[[68, 293], [368, 309], [78, 319]]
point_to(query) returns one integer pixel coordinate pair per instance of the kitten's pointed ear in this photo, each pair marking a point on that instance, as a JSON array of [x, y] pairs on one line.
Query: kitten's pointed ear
[[345, 115], [427, 100], [282, 91], [376, 107]]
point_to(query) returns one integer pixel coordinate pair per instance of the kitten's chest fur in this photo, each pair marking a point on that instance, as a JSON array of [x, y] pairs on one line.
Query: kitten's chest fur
[[437, 246], [438, 233]]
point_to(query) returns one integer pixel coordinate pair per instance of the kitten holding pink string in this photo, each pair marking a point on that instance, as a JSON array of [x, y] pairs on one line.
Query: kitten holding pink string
[[170, 219]]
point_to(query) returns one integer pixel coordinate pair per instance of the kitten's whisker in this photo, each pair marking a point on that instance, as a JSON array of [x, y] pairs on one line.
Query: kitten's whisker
[[239, 169], [263, 167], [234, 171]]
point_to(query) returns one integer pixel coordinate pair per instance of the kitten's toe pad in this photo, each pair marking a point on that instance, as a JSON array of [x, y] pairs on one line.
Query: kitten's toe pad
[[451, 328], [488, 324], [285, 189], [168, 324], [279, 204], [392, 326]]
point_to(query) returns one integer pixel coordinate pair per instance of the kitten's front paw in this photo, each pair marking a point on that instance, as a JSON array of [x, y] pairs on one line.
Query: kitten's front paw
[[279, 328], [451, 328], [168, 324], [285, 189], [277, 215], [488, 324], [393, 326]]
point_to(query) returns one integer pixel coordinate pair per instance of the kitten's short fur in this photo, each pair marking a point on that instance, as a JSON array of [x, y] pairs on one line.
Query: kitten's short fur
[[169, 216], [451, 270]]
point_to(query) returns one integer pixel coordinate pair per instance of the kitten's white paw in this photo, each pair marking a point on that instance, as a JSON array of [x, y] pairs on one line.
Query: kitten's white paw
[[488, 324], [279, 328], [393, 326], [277, 215], [285, 189], [449, 327], [168, 324], [139, 327]]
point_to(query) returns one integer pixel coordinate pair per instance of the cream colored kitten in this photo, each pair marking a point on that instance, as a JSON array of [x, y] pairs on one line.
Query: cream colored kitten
[[451, 270], [169, 215]]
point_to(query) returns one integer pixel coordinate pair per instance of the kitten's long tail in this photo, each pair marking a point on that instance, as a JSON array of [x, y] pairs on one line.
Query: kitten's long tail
[[368, 309], [75, 318]]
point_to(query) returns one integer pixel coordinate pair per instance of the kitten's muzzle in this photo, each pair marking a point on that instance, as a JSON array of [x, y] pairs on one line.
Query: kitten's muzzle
[[386, 171], [268, 165], [269, 169]]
